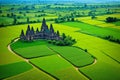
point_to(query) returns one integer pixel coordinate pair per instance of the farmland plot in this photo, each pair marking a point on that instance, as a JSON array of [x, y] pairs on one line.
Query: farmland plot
[[95, 46], [94, 30], [36, 50], [57, 66], [13, 69], [74, 55], [100, 21]]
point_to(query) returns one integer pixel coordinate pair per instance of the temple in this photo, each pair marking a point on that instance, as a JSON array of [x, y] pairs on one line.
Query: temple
[[44, 33]]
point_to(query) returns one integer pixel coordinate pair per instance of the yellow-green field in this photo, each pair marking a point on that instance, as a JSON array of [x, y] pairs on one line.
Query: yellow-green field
[[100, 21]]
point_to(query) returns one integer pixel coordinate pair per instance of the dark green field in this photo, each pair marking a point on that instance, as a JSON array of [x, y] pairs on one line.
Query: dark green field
[[13, 69]]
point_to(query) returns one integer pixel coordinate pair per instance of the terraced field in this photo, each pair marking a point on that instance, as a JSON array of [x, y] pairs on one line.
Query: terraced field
[[106, 67]]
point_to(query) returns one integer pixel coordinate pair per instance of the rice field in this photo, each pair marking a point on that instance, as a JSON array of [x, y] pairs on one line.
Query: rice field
[[13, 69], [57, 66], [100, 21], [106, 53], [75, 56]]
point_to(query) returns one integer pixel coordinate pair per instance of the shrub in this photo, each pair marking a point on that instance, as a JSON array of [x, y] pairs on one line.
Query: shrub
[[111, 19]]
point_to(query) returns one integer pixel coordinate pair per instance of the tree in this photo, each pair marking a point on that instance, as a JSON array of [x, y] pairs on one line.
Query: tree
[[1, 11], [2, 25], [68, 19], [12, 15], [63, 36], [93, 17], [8, 15], [111, 19], [72, 19], [28, 20], [15, 20], [24, 14], [58, 33]]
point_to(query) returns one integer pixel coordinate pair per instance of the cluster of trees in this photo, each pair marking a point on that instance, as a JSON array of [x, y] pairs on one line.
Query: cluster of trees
[[111, 19], [111, 38], [64, 41], [40, 15], [64, 19]]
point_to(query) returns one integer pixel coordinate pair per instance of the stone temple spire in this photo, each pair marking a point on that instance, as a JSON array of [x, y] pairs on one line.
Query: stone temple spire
[[44, 22], [32, 31], [58, 33], [22, 35], [28, 30], [44, 27], [37, 31], [51, 28]]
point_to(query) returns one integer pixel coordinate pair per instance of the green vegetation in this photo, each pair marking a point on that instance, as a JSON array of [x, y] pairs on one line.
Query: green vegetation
[[117, 23], [33, 13], [104, 68], [64, 41], [7, 57], [39, 48], [33, 74], [96, 31], [84, 41], [75, 56], [13, 69], [111, 19], [20, 44], [31, 51], [58, 67], [84, 22]]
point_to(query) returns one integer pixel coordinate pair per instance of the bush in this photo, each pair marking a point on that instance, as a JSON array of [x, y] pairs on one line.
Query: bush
[[64, 41], [85, 50], [111, 19]]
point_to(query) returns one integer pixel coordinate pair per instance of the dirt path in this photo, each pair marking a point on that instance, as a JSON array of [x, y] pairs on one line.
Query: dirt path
[[16, 54], [95, 61]]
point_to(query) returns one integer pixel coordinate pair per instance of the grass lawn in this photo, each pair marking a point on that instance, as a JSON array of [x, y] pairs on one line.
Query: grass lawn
[[13, 69], [58, 67], [74, 55]]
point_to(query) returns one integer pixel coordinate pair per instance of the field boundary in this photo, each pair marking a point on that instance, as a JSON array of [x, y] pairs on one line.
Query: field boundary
[[110, 57]]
